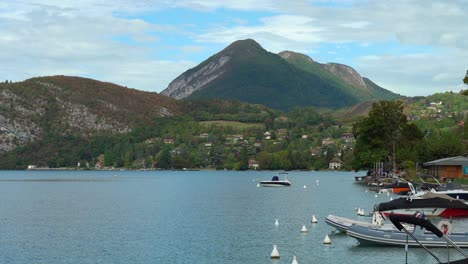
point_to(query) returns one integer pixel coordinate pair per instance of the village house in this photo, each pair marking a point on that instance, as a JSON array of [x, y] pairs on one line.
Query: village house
[[253, 164], [347, 137], [168, 141], [335, 164], [99, 165], [327, 141]]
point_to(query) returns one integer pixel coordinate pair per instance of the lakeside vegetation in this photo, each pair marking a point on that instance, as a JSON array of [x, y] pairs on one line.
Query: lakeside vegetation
[[232, 135]]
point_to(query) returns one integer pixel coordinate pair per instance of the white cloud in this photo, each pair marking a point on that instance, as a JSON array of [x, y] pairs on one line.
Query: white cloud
[[438, 27], [93, 38]]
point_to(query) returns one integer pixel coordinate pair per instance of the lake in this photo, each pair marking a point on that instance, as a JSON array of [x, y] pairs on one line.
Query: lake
[[183, 217]]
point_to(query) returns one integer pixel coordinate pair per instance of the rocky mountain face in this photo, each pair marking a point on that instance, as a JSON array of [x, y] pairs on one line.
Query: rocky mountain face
[[245, 71], [197, 78], [71, 105], [347, 74]]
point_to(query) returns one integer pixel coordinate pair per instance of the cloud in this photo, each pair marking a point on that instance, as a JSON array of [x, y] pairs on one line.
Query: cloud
[[438, 28], [62, 38], [106, 39]]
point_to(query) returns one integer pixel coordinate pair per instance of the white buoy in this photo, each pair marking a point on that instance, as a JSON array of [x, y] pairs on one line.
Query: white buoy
[[294, 260], [367, 190], [258, 184], [376, 196], [391, 198], [314, 219], [304, 229], [361, 212], [276, 222], [327, 240], [317, 182], [274, 253], [305, 186]]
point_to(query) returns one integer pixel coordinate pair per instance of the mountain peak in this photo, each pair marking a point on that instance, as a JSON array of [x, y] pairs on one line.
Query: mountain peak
[[245, 46], [246, 72]]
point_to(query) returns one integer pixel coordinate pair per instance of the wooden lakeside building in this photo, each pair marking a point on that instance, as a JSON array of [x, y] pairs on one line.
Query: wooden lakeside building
[[448, 168]]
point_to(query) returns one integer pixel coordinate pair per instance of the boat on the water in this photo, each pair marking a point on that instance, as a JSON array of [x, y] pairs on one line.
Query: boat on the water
[[375, 235], [432, 205], [276, 181], [451, 189], [342, 223]]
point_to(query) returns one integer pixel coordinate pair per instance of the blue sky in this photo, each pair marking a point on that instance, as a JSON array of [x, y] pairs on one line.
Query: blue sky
[[409, 47]]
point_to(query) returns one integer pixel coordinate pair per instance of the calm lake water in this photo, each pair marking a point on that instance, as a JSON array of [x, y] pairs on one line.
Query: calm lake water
[[182, 217]]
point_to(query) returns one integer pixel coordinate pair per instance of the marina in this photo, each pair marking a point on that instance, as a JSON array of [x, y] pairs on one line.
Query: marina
[[185, 217]]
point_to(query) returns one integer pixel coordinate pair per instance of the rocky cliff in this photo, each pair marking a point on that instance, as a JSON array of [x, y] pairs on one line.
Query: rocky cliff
[[72, 105]]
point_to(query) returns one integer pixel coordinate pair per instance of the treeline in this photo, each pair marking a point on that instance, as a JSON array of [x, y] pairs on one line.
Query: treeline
[[385, 135], [185, 142]]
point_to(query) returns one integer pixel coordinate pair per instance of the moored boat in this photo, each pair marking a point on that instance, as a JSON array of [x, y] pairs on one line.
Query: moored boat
[[276, 182], [375, 235], [342, 223], [433, 206]]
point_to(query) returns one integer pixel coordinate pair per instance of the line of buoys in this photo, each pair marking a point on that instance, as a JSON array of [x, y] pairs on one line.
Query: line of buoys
[[304, 229], [274, 253], [276, 222], [314, 219], [327, 240], [294, 260]]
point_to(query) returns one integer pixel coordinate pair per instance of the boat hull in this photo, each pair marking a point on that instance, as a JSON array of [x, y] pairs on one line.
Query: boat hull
[[377, 236], [275, 184]]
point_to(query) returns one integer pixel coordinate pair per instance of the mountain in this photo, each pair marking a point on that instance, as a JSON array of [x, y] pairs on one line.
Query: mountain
[[245, 71], [342, 75], [62, 105]]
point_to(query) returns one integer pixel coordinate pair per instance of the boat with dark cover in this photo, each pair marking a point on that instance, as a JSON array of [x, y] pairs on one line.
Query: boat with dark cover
[[430, 204], [276, 182]]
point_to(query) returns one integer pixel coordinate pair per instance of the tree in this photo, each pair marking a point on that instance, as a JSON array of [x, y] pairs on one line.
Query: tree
[[244, 159], [165, 159], [378, 133]]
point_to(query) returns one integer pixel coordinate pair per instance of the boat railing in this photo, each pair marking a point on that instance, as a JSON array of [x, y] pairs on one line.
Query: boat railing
[[399, 220]]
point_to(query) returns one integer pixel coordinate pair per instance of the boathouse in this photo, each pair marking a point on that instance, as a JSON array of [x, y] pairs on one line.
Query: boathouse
[[453, 167]]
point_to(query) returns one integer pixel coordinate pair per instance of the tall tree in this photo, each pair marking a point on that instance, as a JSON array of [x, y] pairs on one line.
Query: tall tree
[[244, 159], [378, 133]]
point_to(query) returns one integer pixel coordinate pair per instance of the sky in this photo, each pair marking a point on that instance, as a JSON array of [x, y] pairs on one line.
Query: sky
[[413, 48]]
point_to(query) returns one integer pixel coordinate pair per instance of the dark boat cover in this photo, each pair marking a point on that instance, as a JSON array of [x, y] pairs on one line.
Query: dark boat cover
[[409, 219], [275, 178], [404, 203]]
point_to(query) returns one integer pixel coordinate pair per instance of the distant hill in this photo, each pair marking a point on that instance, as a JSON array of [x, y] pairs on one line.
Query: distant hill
[[62, 105], [245, 71]]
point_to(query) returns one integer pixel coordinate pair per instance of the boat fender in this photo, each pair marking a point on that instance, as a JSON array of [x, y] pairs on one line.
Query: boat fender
[[445, 226]]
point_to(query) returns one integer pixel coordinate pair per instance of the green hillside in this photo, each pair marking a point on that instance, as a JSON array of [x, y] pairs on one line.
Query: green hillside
[[372, 91], [257, 76]]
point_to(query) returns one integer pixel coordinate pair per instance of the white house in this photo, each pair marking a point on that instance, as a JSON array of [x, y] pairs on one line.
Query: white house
[[335, 164]]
